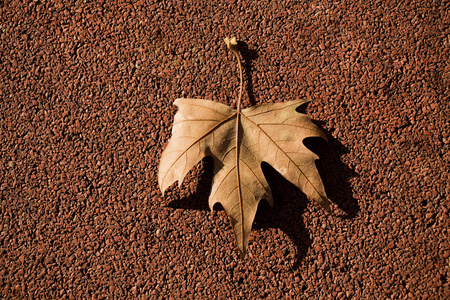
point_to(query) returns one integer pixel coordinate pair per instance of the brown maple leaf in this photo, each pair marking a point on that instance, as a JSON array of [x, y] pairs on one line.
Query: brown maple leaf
[[239, 141]]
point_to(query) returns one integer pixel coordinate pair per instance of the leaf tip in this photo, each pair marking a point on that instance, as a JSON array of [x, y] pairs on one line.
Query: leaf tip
[[325, 203], [162, 189]]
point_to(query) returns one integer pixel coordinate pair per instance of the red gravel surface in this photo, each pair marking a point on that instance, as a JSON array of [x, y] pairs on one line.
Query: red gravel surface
[[86, 91]]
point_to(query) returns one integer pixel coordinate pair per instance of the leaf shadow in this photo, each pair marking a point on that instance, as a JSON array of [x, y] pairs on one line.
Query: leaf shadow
[[198, 200], [248, 56], [335, 174], [290, 203]]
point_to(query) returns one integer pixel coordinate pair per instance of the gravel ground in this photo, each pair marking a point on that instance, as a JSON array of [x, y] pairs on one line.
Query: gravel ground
[[86, 91]]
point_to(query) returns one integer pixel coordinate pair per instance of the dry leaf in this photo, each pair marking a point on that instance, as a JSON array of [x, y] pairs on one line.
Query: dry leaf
[[239, 141]]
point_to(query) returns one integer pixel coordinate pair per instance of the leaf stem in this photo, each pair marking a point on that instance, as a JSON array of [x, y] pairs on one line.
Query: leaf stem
[[241, 81], [233, 46]]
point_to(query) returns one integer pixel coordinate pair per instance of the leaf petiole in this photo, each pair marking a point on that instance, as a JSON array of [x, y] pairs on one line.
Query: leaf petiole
[[233, 46]]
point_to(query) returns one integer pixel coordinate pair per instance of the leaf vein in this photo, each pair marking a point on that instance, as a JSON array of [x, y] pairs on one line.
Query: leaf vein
[[199, 139], [279, 149]]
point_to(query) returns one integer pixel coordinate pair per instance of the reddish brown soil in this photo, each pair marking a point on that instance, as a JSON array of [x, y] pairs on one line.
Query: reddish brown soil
[[86, 93]]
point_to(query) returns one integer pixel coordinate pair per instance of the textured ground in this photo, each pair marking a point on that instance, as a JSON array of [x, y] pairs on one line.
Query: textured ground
[[86, 93]]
